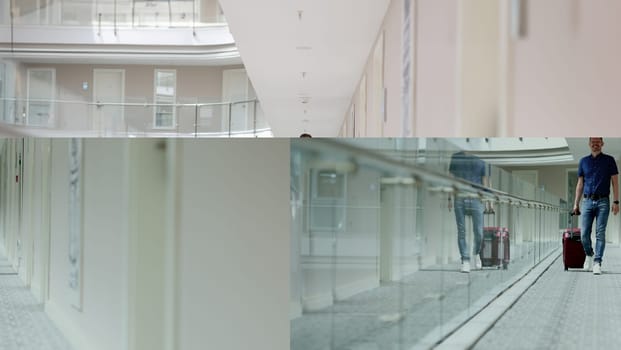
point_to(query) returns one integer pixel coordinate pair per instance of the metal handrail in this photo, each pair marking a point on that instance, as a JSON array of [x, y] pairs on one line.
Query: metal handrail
[[443, 182], [196, 106], [138, 104]]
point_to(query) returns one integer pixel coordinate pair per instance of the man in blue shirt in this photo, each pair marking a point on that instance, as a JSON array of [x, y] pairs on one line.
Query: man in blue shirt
[[470, 168], [596, 172]]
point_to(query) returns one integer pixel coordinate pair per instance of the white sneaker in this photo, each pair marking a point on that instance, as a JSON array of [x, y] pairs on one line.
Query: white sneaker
[[477, 262], [465, 266], [597, 269], [588, 263]]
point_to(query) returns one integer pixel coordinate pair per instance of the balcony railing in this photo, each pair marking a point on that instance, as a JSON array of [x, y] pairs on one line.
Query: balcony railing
[[374, 242], [117, 13], [142, 119]]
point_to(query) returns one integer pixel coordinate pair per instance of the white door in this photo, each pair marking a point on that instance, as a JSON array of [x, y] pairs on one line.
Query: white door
[[108, 95], [40, 91], [235, 87]]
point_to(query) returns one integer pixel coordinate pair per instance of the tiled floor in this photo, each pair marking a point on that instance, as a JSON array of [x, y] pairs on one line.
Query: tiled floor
[[564, 310], [23, 323], [396, 316]]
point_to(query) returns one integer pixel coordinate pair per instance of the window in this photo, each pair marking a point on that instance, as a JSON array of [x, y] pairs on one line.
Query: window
[[165, 96]]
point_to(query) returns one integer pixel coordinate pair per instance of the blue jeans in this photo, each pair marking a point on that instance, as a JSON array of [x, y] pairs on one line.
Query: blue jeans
[[598, 210], [474, 208]]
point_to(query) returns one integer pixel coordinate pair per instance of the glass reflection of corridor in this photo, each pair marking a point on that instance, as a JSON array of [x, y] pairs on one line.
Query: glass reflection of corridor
[[400, 312], [374, 258]]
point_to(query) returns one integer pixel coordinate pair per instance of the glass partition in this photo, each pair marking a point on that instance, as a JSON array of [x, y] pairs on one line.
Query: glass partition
[[375, 261], [118, 13], [136, 117]]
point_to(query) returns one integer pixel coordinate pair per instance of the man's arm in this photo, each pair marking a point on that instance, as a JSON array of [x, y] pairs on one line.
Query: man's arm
[[615, 193], [578, 195]]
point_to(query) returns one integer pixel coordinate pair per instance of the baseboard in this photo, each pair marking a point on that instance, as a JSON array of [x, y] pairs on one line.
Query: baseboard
[[36, 291], [399, 271], [348, 290], [320, 301], [317, 302], [73, 335], [295, 310]]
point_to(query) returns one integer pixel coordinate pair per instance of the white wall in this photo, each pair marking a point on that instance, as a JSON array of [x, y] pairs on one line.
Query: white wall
[[234, 244], [147, 243], [102, 322]]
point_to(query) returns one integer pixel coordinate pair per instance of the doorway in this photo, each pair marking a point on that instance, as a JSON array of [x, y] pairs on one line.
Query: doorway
[[108, 96], [235, 87]]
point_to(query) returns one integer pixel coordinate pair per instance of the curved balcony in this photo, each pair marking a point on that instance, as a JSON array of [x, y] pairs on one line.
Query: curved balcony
[[138, 118], [69, 28]]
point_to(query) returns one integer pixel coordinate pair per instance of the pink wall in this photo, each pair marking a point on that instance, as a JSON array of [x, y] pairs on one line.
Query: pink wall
[[437, 68], [567, 75], [393, 38]]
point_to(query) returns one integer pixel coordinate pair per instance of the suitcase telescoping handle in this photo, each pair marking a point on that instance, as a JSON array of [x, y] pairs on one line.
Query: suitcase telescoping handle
[[571, 214]]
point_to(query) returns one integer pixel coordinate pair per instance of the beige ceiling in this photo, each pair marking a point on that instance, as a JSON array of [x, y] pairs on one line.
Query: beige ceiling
[[305, 57]]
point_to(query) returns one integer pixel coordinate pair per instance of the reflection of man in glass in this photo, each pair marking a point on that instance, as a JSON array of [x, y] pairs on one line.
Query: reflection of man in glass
[[470, 168]]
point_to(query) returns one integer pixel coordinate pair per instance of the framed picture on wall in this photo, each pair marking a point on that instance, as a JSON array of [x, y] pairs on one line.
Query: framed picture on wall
[[75, 222]]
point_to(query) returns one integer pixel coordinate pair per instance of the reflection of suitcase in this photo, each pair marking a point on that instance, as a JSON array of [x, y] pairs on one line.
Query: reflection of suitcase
[[573, 252], [495, 250]]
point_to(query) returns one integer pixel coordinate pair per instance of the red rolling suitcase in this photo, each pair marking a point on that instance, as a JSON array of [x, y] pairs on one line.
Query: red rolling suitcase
[[496, 248], [573, 252]]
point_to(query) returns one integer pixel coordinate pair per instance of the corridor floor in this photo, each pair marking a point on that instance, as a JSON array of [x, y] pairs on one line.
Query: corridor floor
[[564, 310], [23, 323], [398, 315]]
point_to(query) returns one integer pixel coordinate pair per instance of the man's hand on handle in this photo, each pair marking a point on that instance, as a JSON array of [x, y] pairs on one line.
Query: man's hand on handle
[[576, 210]]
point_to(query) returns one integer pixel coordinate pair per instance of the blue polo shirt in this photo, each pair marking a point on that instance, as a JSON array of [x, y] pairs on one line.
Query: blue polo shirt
[[597, 172], [467, 167]]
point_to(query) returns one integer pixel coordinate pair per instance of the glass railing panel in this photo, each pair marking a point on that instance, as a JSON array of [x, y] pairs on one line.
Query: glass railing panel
[[74, 117], [5, 16], [390, 275], [78, 13], [140, 119], [241, 116], [119, 13], [135, 116], [212, 119], [261, 120]]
